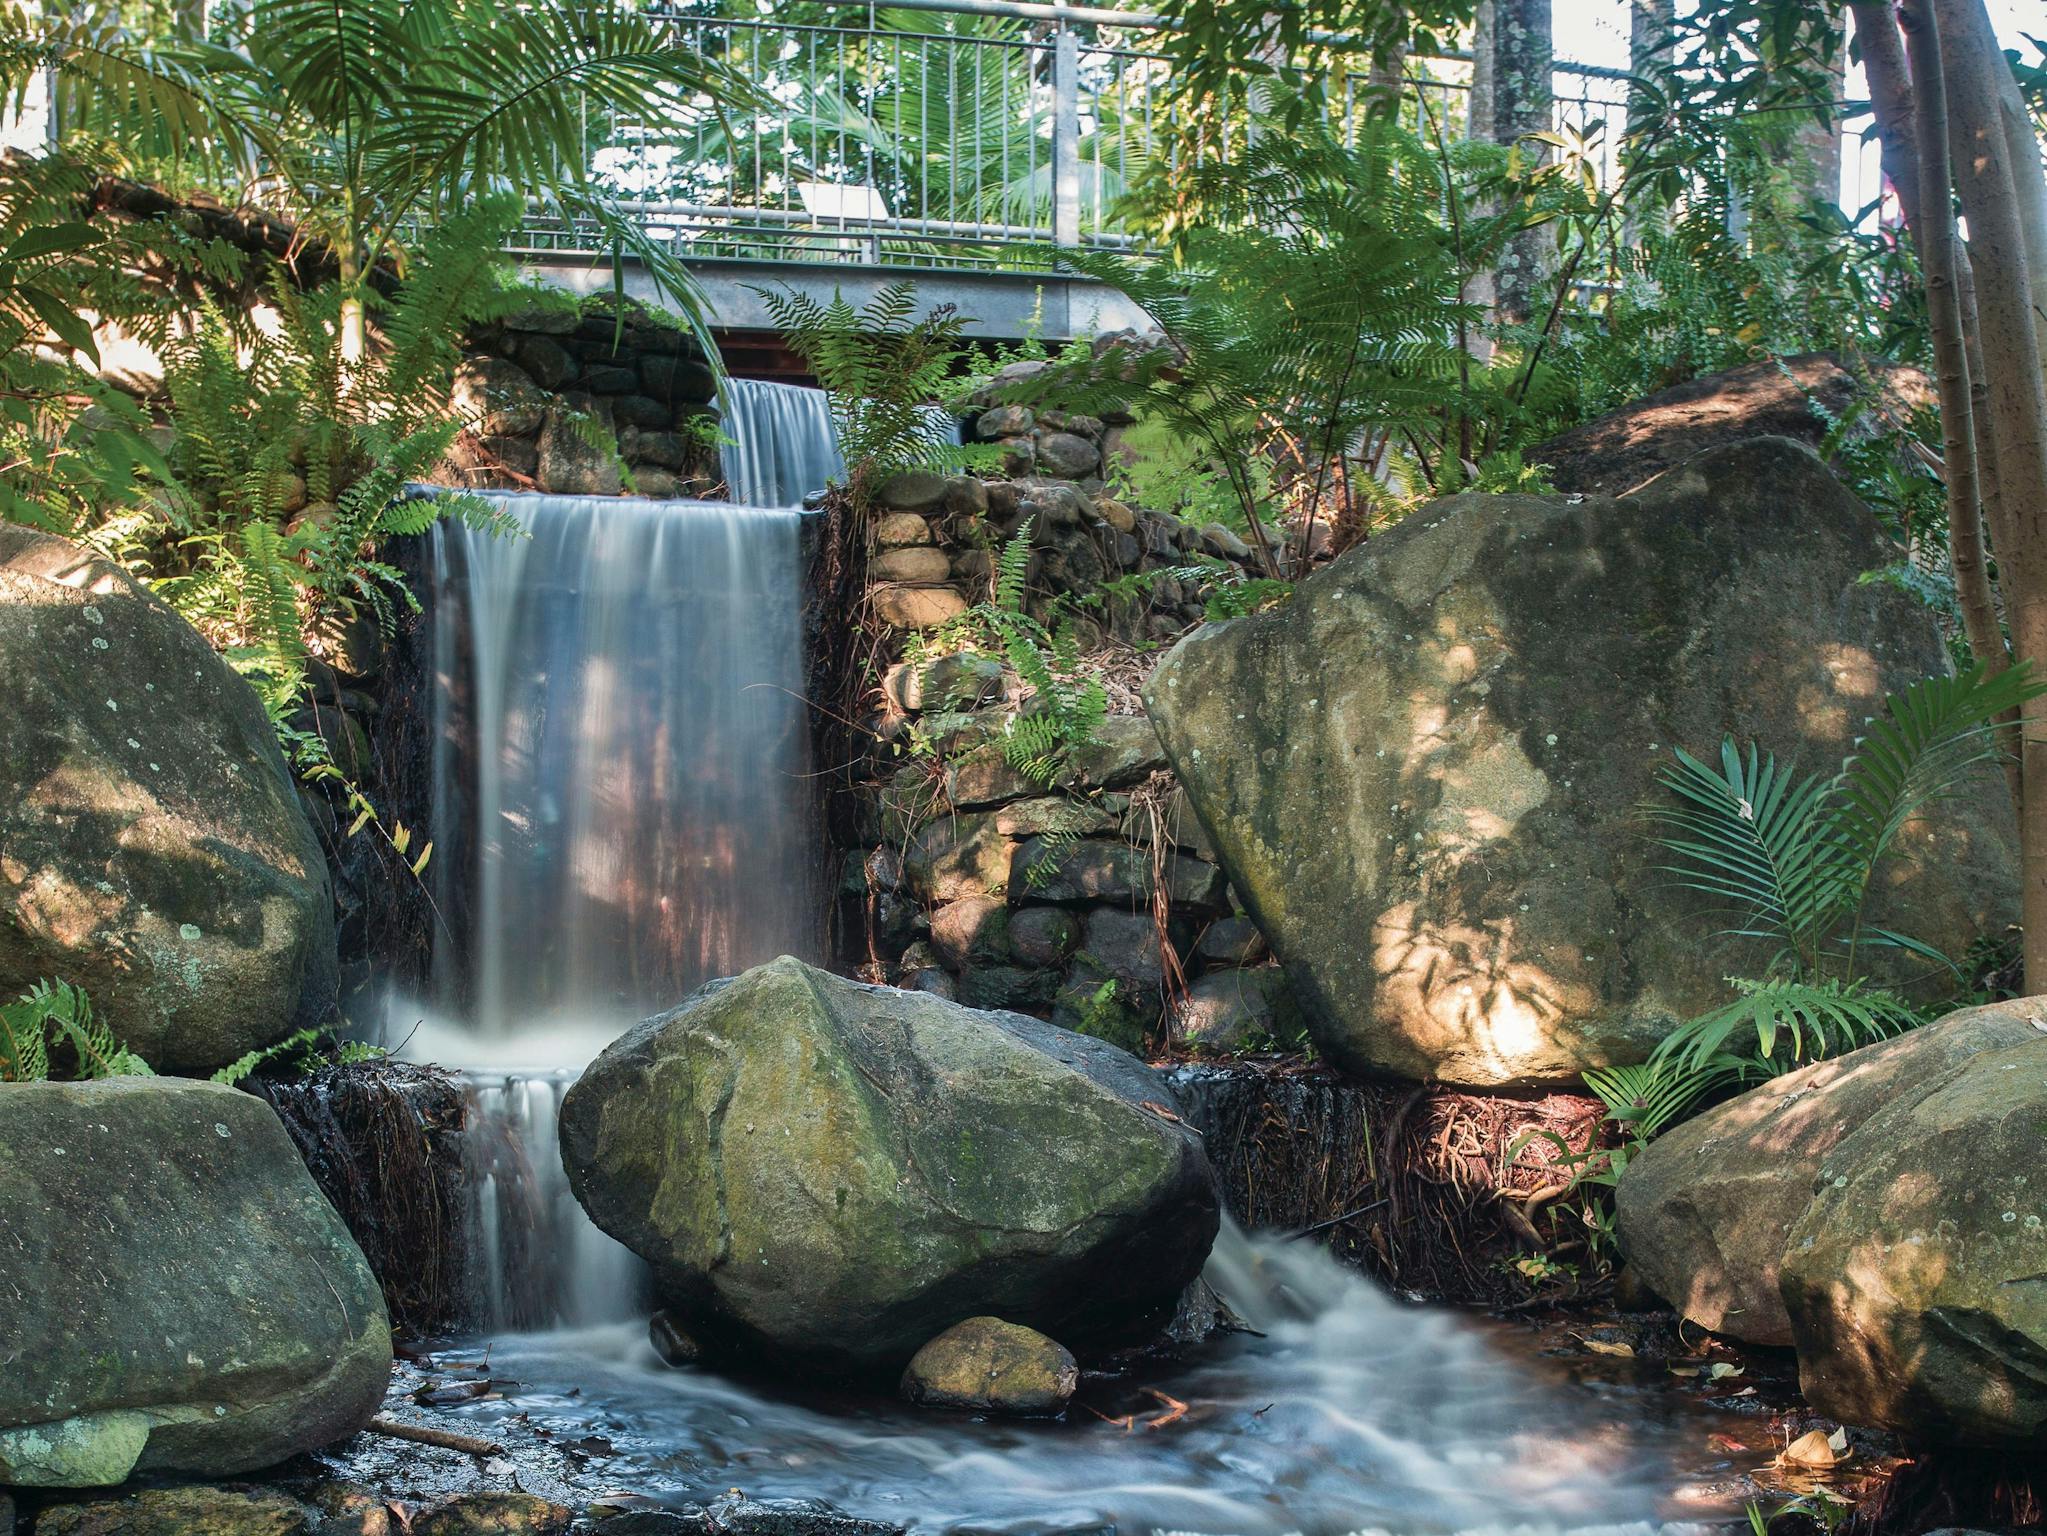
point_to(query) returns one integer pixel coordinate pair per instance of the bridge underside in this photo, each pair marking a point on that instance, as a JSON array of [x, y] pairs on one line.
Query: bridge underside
[[996, 306]]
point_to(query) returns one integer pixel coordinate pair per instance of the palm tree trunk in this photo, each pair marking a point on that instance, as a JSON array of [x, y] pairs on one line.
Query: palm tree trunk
[[1975, 77], [1934, 232]]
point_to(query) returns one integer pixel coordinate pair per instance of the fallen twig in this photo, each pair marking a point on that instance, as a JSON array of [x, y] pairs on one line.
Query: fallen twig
[[445, 1439]]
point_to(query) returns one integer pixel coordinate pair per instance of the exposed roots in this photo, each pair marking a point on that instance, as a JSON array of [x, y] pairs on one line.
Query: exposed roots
[[384, 1142], [1985, 1490], [1413, 1184]]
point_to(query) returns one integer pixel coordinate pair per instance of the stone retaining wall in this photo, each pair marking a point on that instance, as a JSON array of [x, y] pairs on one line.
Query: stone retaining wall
[[1095, 899], [552, 390]]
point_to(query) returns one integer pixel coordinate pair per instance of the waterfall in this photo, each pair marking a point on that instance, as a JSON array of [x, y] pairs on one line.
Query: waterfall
[[782, 447], [621, 809]]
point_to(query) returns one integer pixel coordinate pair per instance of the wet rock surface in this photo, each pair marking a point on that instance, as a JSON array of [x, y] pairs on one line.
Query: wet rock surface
[[987, 1365]]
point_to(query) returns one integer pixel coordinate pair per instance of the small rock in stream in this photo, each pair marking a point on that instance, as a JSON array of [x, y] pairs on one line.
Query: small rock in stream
[[672, 1342], [494, 1514], [987, 1365], [740, 1516]]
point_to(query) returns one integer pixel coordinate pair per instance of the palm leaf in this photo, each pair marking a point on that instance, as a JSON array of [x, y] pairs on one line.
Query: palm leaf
[[1751, 833], [1808, 1019], [1920, 750]]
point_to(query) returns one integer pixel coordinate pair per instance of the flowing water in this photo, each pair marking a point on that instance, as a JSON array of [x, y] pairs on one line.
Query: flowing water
[[781, 443], [621, 798], [1345, 1411]]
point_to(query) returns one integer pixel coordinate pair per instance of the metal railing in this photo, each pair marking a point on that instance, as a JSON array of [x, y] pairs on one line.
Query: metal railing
[[964, 134]]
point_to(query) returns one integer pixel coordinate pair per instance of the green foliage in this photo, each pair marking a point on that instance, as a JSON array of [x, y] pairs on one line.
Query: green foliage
[[291, 464], [1794, 858], [51, 1031], [70, 445], [880, 366], [305, 1051], [1780, 1021], [364, 124], [1068, 704]]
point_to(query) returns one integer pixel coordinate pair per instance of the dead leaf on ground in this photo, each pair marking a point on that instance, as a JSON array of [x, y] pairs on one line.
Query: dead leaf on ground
[[1813, 1451], [1607, 1347]]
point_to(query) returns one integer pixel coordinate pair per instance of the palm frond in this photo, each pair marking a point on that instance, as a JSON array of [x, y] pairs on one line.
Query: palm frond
[[1787, 1020]]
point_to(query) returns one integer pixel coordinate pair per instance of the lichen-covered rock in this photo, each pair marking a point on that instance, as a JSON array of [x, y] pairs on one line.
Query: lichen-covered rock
[[1419, 772], [912, 490], [1705, 1213], [170, 1267], [834, 1173], [189, 1511], [152, 848], [1916, 1279], [575, 458], [1066, 455], [906, 607], [1233, 1009], [1797, 397], [497, 397], [915, 564], [494, 1514], [986, 1365], [956, 856]]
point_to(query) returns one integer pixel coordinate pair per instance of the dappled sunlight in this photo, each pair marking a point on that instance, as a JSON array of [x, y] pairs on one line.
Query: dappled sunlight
[[1467, 994]]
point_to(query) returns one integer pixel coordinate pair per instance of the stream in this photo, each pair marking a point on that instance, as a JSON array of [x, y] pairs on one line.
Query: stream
[[1346, 1410]]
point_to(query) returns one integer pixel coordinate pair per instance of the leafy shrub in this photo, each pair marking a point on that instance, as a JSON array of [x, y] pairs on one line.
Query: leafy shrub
[[1795, 858]]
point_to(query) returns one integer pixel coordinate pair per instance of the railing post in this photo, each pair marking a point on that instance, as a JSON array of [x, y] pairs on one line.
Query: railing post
[[1065, 136]]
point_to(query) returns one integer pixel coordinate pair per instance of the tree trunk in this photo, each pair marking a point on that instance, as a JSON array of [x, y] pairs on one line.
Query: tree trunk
[[1652, 49], [1482, 288], [1813, 156], [1934, 231], [2022, 146], [1521, 104], [1890, 99], [1987, 175]]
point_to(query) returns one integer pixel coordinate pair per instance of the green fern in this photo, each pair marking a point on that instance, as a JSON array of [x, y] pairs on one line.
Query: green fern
[[1785, 1020], [880, 365], [52, 1026]]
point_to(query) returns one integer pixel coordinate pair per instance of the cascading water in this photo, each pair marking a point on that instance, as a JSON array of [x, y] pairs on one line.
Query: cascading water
[[620, 797], [782, 445], [620, 757]]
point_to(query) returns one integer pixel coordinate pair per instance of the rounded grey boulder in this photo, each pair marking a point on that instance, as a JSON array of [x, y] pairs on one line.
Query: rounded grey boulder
[[834, 1173], [176, 1295], [156, 853]]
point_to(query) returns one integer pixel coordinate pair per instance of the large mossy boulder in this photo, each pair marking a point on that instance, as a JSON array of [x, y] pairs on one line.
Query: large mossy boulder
[[1904, 1235], [176, 1295], [1706, 1213], [1424, 774], [152, 847], [831, 1173]]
